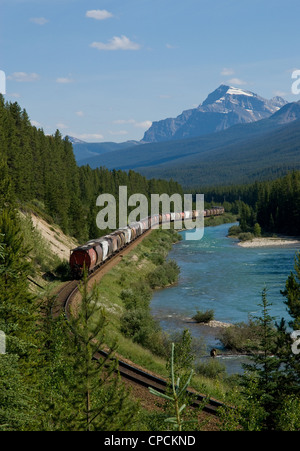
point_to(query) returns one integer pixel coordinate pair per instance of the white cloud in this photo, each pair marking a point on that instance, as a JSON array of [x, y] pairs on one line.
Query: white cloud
[[170, 46], [79, 113], [117, 43], [227, 72], [23, 77], [36, 124], [237, 81], [144, 124], [88, 136], [60, 125], [98, 14], [280, 93], [39, 20], [64, 80], [14, 95]]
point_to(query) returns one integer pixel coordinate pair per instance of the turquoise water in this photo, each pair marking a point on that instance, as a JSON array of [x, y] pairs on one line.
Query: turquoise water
[[219, 275]]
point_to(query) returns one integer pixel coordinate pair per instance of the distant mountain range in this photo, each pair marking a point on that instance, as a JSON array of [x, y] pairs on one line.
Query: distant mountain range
[[264, 142], [84, 151]]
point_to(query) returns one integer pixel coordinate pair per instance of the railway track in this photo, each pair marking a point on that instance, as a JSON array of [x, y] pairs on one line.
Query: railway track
[[63, 302]]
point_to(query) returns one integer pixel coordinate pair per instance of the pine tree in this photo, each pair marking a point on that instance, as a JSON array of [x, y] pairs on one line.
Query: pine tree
[[55, 372], [101, 400], [260, 382], [291, 361], [18, 407]]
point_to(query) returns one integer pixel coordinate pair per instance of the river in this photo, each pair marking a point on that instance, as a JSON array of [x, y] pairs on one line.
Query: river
[[219, 275]]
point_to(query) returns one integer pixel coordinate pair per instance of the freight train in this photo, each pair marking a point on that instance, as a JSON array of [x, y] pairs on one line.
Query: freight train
[[96, 252]]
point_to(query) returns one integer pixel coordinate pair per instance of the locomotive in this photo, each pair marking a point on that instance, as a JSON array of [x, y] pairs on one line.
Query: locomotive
[[96, 252]]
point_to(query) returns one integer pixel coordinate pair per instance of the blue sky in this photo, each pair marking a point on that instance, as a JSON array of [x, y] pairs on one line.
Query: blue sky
[[103, 70]]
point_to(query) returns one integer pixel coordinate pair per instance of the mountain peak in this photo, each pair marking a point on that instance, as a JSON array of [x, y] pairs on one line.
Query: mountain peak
[[223, 108], [288, 113], [224, 91]]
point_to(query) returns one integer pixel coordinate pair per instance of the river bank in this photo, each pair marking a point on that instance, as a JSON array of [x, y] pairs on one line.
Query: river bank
[[270, 242]]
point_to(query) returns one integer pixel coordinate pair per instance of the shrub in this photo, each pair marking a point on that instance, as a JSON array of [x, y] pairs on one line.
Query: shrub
[[247, 236], [204, 317], [242, 337], [63, 271], [257, 230], [157, 259], [211, 369], [164, 275], [234, 231]]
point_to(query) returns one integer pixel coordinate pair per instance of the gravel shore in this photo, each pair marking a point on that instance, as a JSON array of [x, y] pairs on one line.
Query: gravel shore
[[263, 242]]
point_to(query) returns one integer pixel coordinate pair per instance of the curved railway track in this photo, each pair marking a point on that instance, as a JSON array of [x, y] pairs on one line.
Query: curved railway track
[[63, 302]]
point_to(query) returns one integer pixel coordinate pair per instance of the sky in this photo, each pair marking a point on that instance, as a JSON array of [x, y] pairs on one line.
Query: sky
[[104, 70]]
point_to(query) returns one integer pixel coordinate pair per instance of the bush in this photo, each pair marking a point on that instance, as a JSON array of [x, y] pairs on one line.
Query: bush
[[164, 275], [204, 317], [257, 230], [157, 259], [234, 231], [211, 369], [242, 337], [247, 236], [63, 271]]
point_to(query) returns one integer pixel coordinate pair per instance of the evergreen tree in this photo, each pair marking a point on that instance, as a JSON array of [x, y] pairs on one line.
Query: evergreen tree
[[260, 382], [291, 380], [56, 372], [18, 407], [100, 399]]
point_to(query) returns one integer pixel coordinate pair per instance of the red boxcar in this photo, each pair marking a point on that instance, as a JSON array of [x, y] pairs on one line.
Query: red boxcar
[[84, 256]]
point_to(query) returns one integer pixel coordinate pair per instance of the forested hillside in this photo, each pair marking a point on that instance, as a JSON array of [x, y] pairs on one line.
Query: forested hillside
[[274, 205], [44, 174]]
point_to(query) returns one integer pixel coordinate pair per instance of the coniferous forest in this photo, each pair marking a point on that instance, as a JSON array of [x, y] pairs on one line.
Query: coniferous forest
[[43, 172], [274, 205]]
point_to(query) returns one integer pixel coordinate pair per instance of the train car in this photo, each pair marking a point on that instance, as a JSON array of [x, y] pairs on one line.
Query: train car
[[83, 257], [122, 238], [145, 223], [127, 232], [154, 220], [105, 248], [112, 243], [98, 249]]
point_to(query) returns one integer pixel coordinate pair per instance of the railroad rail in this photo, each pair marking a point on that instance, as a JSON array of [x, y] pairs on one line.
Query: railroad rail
[[63, 302]]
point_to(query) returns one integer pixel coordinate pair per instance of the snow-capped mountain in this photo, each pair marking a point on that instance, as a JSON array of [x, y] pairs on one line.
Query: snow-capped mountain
[[223, 108]]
